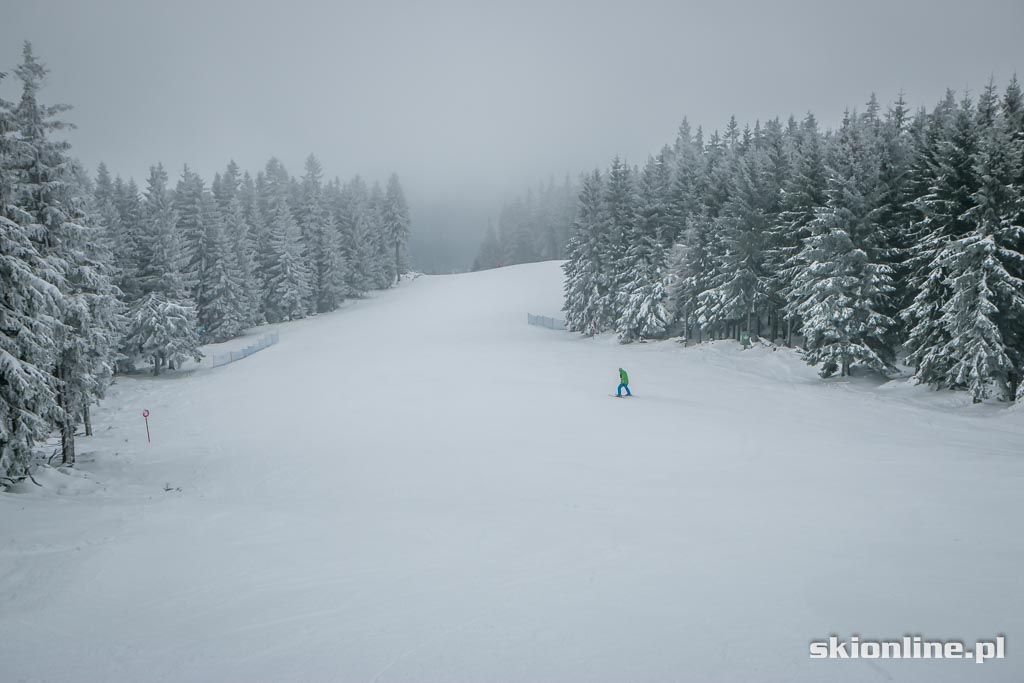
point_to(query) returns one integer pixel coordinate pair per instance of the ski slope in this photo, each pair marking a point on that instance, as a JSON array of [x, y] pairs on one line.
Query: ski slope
[[421, 487]]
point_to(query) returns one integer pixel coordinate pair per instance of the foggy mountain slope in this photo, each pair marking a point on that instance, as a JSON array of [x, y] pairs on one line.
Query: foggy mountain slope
[[422, 487]]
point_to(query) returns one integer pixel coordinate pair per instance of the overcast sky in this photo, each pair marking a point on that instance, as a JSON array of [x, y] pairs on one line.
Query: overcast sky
[[471, 101]]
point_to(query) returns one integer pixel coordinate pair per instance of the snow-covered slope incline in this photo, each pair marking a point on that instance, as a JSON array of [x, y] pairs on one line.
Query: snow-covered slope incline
[[422, 487]]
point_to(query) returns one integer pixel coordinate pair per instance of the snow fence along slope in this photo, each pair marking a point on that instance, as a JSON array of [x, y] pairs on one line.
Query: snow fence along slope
[[422, 487]]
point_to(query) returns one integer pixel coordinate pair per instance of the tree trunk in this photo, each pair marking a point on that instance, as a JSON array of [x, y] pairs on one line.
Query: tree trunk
[[398, 262], [87, 419], [67, 423]]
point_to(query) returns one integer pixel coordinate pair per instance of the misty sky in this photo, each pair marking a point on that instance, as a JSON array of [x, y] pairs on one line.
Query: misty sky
[[469, 102]]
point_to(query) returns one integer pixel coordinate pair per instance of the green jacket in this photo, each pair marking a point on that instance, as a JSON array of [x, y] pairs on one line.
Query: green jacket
[[623, 377]]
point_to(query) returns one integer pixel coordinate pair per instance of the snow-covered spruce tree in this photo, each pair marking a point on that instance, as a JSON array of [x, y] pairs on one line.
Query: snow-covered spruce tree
[[735, 290], [719, 160], [1012, 110], [802, 193], [88, 323], [128, 202], [582, 267], [272, 185], [738, 292], [365, 268], [688, 229], [641, 300], [383, 261], [227, 186], [28, 308], [160, 258], [263, 261], [838, 289], [30, 303], [351, 204], [118, 239], [238, 234], [395, 223], [925, 130], [776, 147], [328, 265], [838, 325], [944, 165], [619, 205], [332, 204], [223, 307], [190, 218], [690, 268], [307, 208], [288, 280], [490, 251], [250, 202], [210, 261], [518, 231], [686, 192], [163, 331], [100, 341], [231, 193], [719, 169], [891, 246], [270, 189], [731, 137], [322, 240], [984, 314], [162, 327], [264, 257], [35, 170]]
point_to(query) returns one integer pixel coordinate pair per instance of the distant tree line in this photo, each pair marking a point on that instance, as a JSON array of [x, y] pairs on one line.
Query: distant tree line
[[532, 228], [900, 233], [98, 277], [217, 260]]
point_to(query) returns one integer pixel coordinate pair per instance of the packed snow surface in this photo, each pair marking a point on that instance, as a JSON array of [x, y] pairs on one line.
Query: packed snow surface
[[422, 487]]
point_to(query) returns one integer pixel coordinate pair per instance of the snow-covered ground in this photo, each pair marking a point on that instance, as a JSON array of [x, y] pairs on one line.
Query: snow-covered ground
[[421, 487]]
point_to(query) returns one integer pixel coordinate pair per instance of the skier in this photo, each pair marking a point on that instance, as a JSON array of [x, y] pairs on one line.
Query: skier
[[623, 383]]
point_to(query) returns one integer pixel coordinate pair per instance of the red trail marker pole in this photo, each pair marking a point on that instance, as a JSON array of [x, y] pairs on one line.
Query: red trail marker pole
[[145, 416]]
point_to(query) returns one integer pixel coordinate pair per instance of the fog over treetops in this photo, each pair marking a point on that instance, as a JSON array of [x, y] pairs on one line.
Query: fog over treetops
[[472, 103]]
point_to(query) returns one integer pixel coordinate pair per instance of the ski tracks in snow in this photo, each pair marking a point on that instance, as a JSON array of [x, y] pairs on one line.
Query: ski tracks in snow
[[425, 643]]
